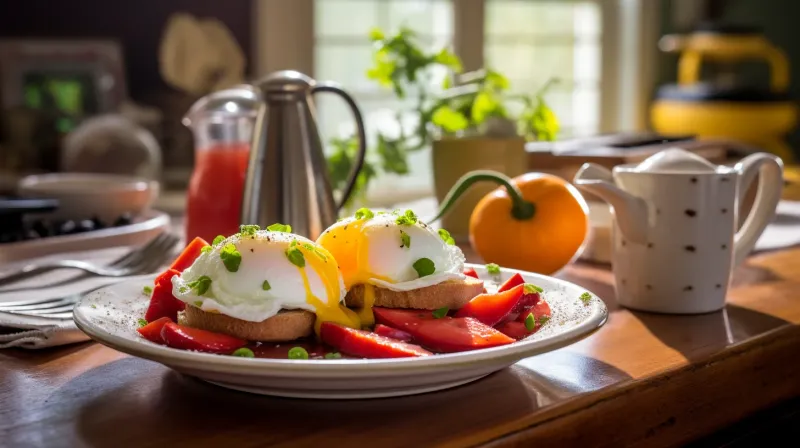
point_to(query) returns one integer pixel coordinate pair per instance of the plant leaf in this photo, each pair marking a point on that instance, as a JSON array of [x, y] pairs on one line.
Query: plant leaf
[[449, 120]]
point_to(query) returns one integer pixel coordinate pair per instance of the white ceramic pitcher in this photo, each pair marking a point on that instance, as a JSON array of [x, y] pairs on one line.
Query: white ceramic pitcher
[[675, 240]]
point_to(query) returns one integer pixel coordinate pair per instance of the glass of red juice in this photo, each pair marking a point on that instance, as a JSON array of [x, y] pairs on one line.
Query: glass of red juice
[[222, 124]]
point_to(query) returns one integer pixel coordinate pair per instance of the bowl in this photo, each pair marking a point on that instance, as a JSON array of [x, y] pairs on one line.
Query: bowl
[[84, 196]]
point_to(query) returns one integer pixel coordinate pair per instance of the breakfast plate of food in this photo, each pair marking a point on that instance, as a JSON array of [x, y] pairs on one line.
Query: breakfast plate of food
[[380, 305]]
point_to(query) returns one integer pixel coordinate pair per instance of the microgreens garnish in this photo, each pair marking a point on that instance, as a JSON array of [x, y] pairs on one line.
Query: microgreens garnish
[[333, 355], [201, 285], [407, 219], [445, 236], [243, 352], [440, 313], [424, 266], [218, 239], [585, 298], [278, 227], [141, 322], [295, 256], [364, 213], [493, 269], [231, 257], [206, 249], [530, 288], [298, 353], [249, 229], [530, 322], [266, 286], [147, 290], [405, 240]]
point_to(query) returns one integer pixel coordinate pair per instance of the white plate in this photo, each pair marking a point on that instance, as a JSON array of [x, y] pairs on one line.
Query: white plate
[[110, 317], [145, 227]]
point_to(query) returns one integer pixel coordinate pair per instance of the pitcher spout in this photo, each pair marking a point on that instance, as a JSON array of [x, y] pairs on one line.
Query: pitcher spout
[[630, 211]]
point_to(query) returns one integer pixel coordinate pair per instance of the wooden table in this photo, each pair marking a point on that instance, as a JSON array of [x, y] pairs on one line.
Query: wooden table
[[644, 379]]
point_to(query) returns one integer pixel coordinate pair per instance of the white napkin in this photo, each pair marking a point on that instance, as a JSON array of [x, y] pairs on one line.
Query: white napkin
[[27, 331], [19, 330]]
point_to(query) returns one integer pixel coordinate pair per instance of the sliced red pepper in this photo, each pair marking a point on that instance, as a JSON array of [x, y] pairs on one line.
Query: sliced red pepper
[[189, 254], [393, 333], [447, 334], [470, 272], [166, 277], [492, 308], [365, 344], [512, 282], [162, 302], [540, 309], [525, 303], [187, 338], [516, 329], [152, 331]]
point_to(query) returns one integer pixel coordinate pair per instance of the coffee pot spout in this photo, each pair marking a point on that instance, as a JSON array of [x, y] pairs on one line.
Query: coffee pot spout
[[630, 211]]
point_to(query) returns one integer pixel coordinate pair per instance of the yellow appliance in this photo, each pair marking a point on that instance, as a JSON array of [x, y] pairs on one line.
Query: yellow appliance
[[723, 107]]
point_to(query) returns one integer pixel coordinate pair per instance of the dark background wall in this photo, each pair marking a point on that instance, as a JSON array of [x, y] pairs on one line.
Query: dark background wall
[[137, 25]]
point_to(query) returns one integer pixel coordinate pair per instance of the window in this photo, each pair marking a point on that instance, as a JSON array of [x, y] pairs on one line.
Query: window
[[342, 52], [530, 41], [533, 41]]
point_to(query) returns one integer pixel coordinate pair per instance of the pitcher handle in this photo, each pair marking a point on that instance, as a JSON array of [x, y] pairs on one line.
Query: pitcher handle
[[770, 186], [362, 138]]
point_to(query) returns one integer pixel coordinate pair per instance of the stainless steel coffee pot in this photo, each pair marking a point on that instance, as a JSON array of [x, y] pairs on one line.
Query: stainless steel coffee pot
[[287, 177]]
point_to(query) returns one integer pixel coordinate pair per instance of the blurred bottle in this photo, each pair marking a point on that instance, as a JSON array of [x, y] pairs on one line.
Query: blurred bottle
[[222, 123]]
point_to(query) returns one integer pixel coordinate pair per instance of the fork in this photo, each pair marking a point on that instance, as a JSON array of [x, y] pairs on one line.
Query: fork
[[58, 308], [140, 261], [153, 253]]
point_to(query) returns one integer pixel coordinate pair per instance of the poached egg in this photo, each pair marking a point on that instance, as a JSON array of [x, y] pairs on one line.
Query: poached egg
[[254, 274], [389, 250]]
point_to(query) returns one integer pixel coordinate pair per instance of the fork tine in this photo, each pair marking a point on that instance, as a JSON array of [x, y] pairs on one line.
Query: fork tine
[[39, 306], [121, 261], [16, 303], [59, 315], [134, 256], [157, 255], [59, 309], [137, 256]]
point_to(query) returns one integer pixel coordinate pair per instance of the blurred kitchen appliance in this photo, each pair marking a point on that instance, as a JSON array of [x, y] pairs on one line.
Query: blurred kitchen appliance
[[47, 88], [725, 106]]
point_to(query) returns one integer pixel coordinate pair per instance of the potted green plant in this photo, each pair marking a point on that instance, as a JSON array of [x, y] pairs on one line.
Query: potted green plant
[[467, 112]]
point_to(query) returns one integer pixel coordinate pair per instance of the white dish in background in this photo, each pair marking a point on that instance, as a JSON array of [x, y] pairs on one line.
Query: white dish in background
[[144, 228], [110, 317], [86, 195]]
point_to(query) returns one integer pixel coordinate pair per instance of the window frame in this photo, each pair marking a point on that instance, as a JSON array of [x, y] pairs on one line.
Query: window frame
[[283, 38]]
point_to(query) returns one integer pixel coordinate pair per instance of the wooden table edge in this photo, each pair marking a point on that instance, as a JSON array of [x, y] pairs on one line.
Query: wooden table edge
[[771, 356]]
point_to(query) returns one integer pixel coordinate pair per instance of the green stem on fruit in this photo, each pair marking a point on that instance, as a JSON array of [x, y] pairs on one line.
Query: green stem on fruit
[[520, 208]]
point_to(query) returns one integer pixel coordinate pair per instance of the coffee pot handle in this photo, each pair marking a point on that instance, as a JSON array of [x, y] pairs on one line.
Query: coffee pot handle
[[362, 139], [770, 186]]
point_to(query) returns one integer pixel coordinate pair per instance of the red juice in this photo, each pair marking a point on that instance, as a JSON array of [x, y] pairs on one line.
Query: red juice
[[214, 199]]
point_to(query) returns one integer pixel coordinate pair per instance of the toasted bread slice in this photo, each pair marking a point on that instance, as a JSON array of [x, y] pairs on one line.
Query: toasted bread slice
[[450, 294], [287, 325]]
